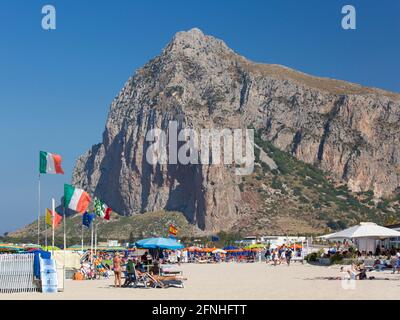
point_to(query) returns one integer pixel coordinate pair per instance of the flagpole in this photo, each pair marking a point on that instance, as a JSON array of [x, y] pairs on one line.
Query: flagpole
[[65, 228], [95, 240], [45, 230], [91, 245], [39, 209], [53, 216], [82, 236]]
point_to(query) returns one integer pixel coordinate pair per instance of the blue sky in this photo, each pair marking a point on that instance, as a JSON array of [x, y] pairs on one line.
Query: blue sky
[[56, 86]]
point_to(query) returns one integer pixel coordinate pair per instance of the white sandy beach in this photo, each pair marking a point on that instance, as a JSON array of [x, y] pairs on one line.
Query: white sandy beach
[[237, 281]]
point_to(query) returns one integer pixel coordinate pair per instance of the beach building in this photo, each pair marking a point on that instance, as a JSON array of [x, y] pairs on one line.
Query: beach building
[[271, 240], [393, 242]]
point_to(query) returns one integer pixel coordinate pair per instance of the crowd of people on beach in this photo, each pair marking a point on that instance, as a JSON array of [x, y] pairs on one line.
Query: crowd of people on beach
[[281, 255]]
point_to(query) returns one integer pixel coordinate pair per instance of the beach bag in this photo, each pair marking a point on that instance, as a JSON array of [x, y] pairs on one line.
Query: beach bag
[[78, 276]]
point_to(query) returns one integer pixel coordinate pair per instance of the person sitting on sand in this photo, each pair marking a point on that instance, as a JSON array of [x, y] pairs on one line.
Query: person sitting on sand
[[378, 264], [130, 273]]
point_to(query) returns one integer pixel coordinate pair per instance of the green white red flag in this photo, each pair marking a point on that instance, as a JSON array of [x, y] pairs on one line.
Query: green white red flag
[[101, 209], [76, 199], [50, 163]]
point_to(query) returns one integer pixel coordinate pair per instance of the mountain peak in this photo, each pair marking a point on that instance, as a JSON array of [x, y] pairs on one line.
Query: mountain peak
[[195, 40]]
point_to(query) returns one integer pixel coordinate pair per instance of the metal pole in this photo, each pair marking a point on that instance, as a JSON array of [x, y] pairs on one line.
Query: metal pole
[[39, 210], [53, 214], [65, 230], [91, 245], [45, 232], [82, 237], [95, 239]]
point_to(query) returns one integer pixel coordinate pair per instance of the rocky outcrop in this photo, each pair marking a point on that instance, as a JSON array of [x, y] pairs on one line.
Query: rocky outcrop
[[347, 130]]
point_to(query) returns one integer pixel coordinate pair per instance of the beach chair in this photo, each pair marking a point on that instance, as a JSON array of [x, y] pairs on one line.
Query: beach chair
[[140, 280], [369, 264], [165, 283]]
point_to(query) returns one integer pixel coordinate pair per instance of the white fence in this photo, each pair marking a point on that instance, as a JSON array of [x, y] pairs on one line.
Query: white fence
[[16, 273]]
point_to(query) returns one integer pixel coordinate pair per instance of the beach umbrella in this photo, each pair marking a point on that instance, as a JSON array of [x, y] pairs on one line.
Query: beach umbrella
[[50, 248], [219, 251], [193, 248], [159, 243], [230, 248], [255, 246]]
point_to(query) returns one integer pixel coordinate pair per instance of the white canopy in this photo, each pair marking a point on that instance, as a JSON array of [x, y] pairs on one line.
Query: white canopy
[[326, 236], [365, 230]]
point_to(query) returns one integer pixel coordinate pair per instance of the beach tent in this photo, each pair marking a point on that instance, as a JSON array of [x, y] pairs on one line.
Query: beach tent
[[159, 243], [67, 259], [364, 230], [365, 234]]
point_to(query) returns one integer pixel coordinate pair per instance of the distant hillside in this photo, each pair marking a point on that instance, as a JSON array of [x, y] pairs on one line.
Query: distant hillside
[[119, 227]]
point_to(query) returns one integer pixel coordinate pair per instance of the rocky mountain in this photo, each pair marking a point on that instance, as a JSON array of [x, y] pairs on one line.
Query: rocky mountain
[[348, 132]]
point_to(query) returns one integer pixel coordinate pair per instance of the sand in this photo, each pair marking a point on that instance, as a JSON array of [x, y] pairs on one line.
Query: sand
[[238, 281]]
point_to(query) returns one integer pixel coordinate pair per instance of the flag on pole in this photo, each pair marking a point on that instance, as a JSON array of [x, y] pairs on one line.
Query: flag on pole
[[76, 199], [50, 218], [101, 209], [87, 219], [172, 230], [50, 163]]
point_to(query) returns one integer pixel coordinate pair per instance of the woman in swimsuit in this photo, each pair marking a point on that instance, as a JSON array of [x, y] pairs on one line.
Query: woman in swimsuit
[[117, 270]]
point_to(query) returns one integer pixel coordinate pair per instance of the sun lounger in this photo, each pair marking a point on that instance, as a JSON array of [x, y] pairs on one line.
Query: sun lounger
[[141, 279], [157, 283], [297, 259], [369, 264], [169, 270], [201, 260]]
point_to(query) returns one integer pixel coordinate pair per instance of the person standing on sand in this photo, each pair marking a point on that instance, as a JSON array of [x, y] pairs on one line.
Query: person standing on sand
[[267, 256], [275, 256], [283, 256], [288, 256], [117, 270]]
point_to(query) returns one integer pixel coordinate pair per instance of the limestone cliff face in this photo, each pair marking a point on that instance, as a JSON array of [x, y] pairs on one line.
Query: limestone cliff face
[[347, 130]]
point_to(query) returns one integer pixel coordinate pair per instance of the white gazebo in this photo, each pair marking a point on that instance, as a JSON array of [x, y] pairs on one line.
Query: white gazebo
[[366, 234]]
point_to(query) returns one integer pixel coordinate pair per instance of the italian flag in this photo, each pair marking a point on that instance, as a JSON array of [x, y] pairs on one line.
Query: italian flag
[[50, 163], [101, 209], [76, 199]]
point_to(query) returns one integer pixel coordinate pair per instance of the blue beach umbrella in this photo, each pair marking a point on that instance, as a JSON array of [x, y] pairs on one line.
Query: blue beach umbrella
[[230, 248], [159, 243]]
